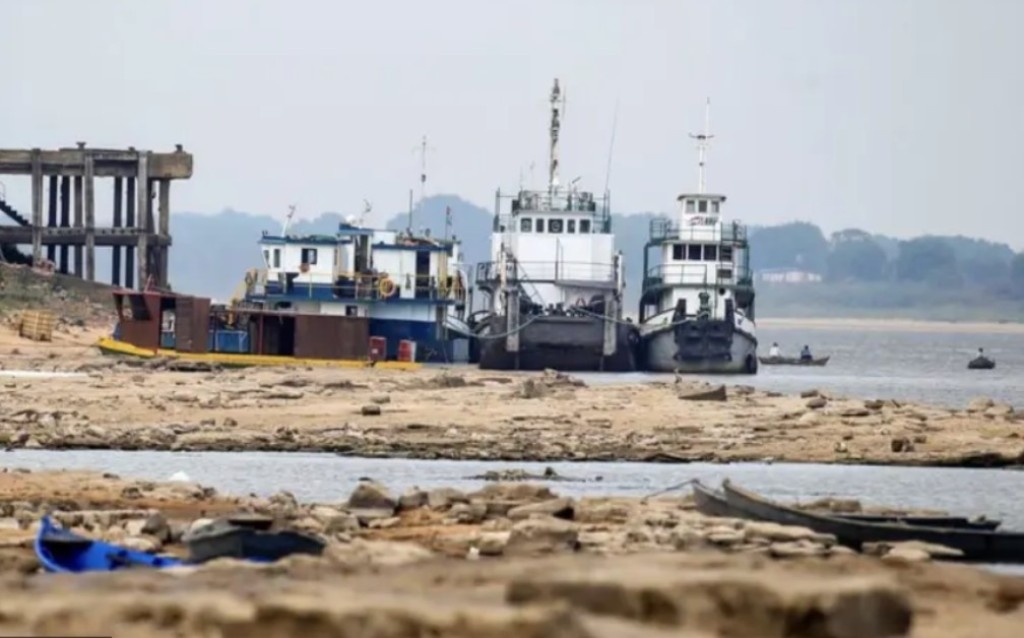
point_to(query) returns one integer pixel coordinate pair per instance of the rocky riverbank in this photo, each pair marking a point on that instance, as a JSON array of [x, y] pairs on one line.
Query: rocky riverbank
[[465, 413], [508, 560]]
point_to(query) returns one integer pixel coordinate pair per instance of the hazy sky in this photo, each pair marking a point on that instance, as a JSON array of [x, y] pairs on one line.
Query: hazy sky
[[899, 116]]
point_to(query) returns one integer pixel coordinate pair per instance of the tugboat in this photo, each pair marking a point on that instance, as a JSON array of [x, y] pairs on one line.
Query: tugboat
[[554, 285], [697, 303]]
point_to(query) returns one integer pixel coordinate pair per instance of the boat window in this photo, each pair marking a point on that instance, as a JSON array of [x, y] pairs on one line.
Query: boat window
[[725, 273], [277, 258], [690, 206], [693, 252], [714, 206], [584, 226], [309, 256], [678, 250], [703, 206], [266, 258], [554, 225], [571, 226], [726, 253], [526, 224], [710, 252], [540, 224]]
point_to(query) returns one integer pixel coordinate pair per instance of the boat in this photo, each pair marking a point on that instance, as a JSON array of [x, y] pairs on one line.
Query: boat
[[975, 545], [410, 287], [981, 362], [62, 551], [153, 324], [554, 285], [710, 394], [712, 502], [697, 303], [224, 538], [793, 361]]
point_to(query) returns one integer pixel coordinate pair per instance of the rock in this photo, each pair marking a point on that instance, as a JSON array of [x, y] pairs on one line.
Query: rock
[[198, 524], [795, 549], [855, 413], [541, 536], [369, 495], [412, 499], [147, 544], [443, 498], [522, 492], [816, 403], [362, 552], [370, 410], [382, 399], [559, 508], [901, 444], [724, 537], [468, 513], [874, 404], [781, 533], [493, 543], [980, 404], [905, 555], [156, 526], [1000, 409], [809, 418], [840, 447], [808, 394], [934, 550], [588, 511], [688, 599]]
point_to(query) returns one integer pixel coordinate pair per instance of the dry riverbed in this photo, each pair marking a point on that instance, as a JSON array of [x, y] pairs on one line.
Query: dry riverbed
[[463, 413], [509, 560]]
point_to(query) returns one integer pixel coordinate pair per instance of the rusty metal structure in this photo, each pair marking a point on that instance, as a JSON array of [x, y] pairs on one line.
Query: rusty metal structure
[[154, 320], [63, 184]]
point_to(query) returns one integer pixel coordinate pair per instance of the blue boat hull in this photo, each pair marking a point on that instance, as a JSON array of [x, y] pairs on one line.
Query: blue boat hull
[[62, 551]]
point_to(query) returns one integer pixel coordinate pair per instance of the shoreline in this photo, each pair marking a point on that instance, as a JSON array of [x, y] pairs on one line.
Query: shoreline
[[469, 414]]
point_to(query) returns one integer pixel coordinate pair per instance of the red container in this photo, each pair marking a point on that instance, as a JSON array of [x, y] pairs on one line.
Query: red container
[[378, 348], [407, 350]]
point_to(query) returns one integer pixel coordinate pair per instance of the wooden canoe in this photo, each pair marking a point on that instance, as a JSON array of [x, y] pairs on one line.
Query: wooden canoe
[[711, 502], [793, 361], [977, 545]]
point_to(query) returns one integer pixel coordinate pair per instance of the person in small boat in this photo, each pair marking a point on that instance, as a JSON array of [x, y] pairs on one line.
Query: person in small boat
[[773, 352], [805, 354]]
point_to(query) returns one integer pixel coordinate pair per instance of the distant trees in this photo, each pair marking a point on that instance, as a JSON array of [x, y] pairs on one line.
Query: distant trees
[[855, 256], [927, 260], [793, 245]]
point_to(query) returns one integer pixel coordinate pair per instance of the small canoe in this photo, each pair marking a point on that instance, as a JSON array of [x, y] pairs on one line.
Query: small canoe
[[793, 361], [714, 394], [981, 363], [62, 551], [711, 502], [976, 545]]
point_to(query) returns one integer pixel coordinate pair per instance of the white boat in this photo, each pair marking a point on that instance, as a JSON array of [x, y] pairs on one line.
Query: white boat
[[555, 281], [697, 301]]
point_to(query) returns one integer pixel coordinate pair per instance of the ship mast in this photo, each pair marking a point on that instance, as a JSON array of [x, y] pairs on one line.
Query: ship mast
[[702, 146], [557, 107]]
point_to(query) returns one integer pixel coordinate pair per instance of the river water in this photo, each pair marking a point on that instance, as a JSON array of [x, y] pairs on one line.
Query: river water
[[927, 367]]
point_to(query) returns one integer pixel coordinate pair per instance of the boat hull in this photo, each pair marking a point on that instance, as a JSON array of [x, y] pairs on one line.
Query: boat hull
[[62, 551], [977, 545], [793, 361], [557, 342], [703, 347], [110, 346]]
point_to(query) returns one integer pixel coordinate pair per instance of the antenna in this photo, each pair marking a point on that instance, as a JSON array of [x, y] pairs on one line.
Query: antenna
[[288, 220], [611, 147], [422, 150], [557, 105], [702, 145]]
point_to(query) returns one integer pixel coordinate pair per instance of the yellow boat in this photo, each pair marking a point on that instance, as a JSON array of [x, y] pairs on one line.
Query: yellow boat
[[111, 346]]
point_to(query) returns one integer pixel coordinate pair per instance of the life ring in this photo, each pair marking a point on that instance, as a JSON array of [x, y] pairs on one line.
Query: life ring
[[303, 267], [386, 287]]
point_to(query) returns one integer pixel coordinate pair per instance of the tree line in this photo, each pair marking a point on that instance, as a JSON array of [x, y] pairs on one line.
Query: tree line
[[857, 256]]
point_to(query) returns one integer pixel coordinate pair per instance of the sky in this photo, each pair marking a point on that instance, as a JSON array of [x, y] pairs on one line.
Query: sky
[[898, 116]]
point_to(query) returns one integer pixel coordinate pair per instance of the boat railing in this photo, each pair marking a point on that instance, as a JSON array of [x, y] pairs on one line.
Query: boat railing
[[696, 274], [380, 286], [546, 271], [581, 204], [727, 232]]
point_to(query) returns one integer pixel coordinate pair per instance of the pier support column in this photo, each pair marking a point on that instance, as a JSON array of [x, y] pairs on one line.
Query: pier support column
[[51, 218], [143, 217], [90, 221], [129, 222], [37, 207], [115, 262], [65, 220], [78, 223], [512, 322], [164, 229]]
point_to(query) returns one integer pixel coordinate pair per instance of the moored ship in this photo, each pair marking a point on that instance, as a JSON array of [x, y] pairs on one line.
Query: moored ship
[[697, 301], [555, 281]]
